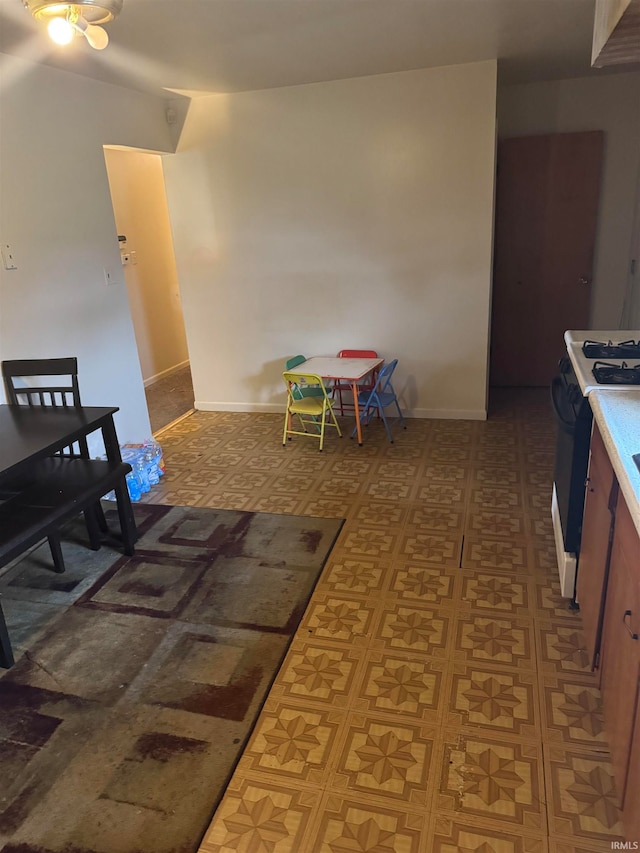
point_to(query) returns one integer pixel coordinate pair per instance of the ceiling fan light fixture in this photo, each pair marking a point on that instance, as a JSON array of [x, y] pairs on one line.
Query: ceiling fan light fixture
[[97, 37], [82, 17]]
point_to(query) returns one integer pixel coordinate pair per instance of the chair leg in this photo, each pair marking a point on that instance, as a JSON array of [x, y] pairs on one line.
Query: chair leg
[[287, 419], [56, 552], [335, 421], [336, 395], [386, 425], [324, 411], [102, 521], [93, 527], [365, 418], [6, 652]]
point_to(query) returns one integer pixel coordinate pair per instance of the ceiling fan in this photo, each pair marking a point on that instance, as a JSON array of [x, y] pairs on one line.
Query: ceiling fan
[[80, 18]]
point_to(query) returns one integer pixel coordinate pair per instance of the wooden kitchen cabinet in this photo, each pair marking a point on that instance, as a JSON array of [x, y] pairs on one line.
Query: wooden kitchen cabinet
[[631, 805], [620, 664], [597, 534]]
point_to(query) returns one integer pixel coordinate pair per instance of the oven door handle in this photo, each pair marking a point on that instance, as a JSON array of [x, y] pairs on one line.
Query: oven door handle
[[557, 393]]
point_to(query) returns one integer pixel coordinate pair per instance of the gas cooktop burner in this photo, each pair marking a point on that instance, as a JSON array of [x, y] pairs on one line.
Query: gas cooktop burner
[[624, 349], [616, 374]]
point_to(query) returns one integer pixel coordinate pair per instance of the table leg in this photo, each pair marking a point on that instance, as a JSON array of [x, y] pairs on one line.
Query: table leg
[[127, 519], [354, 388], [125, 510]]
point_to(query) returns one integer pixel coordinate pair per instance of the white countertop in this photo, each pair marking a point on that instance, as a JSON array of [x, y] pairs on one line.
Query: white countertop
[[617, 414]]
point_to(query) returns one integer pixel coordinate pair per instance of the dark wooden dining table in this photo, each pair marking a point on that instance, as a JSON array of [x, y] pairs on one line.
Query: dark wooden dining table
[[30, 433]]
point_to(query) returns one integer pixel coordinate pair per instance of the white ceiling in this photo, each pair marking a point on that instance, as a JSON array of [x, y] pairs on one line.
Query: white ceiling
[[241, 45]]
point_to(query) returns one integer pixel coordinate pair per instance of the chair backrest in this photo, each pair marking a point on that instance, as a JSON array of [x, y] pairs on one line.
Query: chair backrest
[[294, 361], [296, 381], [383, 382], [357, 353], [21, 390], [31, 382]]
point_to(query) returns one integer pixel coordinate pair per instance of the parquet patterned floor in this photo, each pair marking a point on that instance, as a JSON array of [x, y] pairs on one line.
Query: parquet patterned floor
[[436, 697]]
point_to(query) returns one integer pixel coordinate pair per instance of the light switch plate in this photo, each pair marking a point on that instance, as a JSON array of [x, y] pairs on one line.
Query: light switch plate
[[8, 258]]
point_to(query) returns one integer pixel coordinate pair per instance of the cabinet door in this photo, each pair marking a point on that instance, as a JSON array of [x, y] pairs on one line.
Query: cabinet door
[[631, 805], [597, 532], [621, 644]]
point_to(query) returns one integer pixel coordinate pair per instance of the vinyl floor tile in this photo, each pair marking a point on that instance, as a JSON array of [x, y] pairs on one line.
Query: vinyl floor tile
[[319, 674], [581, 796], [493, 778], [494, 700], [572, 712], [436, 697], [425, 584], [461, 833], [386, 757], [492, 592]]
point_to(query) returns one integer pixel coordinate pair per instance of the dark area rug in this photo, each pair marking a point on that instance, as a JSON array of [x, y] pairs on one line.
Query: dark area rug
[[138, 679]]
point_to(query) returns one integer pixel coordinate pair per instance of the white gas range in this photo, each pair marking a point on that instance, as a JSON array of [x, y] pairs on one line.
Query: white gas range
[[597, 360], [615, 349]]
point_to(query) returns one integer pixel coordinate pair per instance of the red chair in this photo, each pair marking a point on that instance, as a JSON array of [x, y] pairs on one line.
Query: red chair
[[343, 387]]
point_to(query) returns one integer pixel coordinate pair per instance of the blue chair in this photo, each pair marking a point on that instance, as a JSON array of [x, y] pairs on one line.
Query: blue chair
[[379, 398]]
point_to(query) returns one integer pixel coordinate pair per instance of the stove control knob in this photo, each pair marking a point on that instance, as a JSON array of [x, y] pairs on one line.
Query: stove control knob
[[564, 364]]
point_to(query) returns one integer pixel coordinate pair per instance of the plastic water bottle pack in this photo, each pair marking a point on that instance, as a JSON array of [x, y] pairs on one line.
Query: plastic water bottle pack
[[147, 466]]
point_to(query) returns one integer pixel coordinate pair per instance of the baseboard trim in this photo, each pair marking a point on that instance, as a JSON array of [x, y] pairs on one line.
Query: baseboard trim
[[272, 408], [158, 433], [278, 409], [164, 373], [449, 414]]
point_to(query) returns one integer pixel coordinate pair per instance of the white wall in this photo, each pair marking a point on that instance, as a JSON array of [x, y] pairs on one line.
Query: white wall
[[55, 210], [610, 103], [136, 180], [355, 213]]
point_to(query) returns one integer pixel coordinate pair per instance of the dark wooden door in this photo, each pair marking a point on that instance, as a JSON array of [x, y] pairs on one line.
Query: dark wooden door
[[547, 195]]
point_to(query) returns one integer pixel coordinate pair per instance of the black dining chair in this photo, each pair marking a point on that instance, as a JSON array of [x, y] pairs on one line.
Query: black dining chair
[[49, 382]]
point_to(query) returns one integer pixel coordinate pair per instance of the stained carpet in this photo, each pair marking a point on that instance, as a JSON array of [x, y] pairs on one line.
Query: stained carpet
[[138, 679]]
